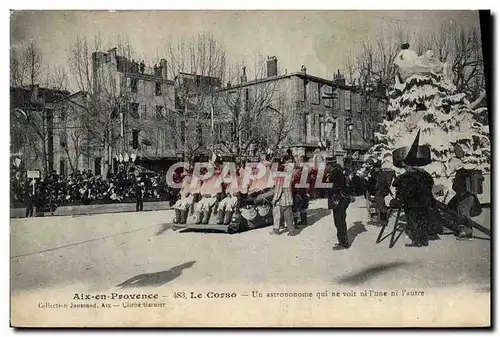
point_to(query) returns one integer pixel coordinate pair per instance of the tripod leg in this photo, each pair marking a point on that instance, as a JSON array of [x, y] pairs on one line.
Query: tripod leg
[[394, 230]]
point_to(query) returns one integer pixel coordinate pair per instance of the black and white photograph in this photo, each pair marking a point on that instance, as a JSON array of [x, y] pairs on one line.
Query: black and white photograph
[[250, 168]]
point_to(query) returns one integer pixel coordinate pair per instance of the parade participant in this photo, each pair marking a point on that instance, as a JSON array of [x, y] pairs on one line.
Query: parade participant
[[210, 192], [139, 194], [300, 194], [464, 202], [283, 201], [414, 189], [376, 189], [189, 186], [229, 203], [338, 201]]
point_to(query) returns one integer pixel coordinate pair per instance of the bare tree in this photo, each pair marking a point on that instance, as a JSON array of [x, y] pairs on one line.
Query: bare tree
[[244, 109], [18, 66], [351, 69], [454, 43], [198, 66], [106, 96], [36, 118]]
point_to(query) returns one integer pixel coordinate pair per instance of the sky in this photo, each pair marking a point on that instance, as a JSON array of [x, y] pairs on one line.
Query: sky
[[320, 40]]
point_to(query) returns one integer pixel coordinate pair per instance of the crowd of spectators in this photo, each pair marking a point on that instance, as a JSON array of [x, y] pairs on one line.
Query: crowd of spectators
[[85, 188]]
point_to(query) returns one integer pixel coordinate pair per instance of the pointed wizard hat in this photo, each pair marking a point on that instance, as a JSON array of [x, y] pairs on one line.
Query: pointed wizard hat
[[415, 155]]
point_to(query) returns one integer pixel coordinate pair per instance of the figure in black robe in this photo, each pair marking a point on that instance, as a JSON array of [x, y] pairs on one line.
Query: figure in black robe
[[414, 190]]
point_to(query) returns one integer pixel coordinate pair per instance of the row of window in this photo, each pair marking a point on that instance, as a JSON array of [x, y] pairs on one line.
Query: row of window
[[134, 85], [316, 128], [313, 93], [143, 114]]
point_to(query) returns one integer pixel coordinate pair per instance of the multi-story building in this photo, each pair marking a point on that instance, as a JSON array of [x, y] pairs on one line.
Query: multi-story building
[[304, 100], [32, 126], [141, 97], [75, 146], [123, 114]]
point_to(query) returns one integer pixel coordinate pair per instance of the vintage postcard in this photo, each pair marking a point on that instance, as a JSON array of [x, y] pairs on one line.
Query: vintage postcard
[[250, 169]]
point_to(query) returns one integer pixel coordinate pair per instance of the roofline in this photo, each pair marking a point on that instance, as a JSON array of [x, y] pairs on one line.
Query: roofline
[[191, 74], [28, 88], [69, 96], [279, 77], [151, 78]]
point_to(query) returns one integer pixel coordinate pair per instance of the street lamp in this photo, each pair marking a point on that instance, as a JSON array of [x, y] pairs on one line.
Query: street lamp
[[350, 127]]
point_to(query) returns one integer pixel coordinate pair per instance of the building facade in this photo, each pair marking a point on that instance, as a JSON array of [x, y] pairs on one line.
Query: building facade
[[316, 121], [33, 123], [141, 98]]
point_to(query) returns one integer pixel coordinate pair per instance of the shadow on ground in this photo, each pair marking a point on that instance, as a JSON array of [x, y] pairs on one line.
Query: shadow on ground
[[313, 216], [156, 279], [164, 227], [370, 272], [356, 229]]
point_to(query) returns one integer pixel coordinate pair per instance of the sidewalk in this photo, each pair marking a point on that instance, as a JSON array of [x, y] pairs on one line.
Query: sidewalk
[[95, 209]]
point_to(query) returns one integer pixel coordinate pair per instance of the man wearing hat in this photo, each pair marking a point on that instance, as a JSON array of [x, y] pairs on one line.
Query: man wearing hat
[[338, 201], [414, 190], [376, 189]]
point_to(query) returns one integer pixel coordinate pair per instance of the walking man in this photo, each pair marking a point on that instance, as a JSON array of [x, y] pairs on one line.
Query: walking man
[[29, 201], [338, 201], [300, 195]]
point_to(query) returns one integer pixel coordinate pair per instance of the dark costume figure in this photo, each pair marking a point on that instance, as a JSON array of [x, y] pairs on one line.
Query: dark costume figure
[[338, 201], [29, 201], [464, 202], [139, 195], [414, 190]]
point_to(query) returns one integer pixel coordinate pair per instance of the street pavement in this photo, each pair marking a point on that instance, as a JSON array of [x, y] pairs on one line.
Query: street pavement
[[100, 252]]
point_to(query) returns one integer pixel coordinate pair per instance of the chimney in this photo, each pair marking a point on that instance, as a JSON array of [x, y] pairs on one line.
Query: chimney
[[113, 59], [244, 75], [272, 66], [338, 78], [164, 70], [112, 53]]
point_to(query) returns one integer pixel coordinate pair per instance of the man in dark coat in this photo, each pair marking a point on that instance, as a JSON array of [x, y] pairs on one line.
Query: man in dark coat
[[338, 201], [300, 194], [29, 201]]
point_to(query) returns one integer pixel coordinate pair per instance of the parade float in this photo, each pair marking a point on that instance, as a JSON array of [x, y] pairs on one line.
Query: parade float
[[225, 201], [435, 128], [424, 101]]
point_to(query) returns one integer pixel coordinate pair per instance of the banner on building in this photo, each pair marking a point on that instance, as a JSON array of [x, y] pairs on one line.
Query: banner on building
[[34, 174]]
